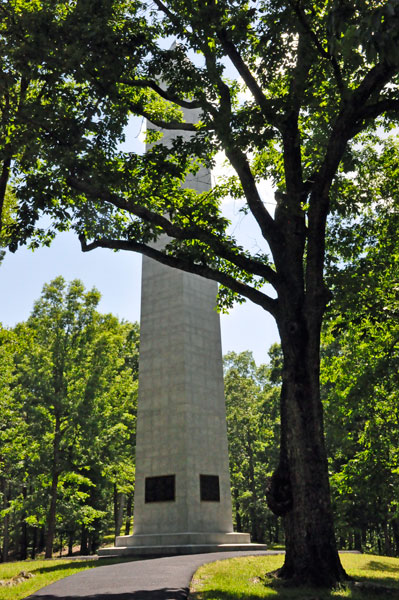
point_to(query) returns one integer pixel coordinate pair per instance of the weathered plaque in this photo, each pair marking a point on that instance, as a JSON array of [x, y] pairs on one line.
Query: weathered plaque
[[209, 486], [160, 489]]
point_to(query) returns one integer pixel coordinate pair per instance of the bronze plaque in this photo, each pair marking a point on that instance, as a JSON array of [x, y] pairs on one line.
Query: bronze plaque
[[209, 486], [160, 489]]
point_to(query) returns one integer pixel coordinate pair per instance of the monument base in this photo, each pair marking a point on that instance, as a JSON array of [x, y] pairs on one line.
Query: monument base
[[172, 544]]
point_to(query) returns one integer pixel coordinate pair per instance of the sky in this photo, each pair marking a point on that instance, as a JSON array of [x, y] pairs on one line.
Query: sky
[[117, 276]]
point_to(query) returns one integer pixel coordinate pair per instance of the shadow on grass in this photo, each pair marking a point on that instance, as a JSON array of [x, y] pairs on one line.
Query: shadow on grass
[[282, 592], [375, 565]]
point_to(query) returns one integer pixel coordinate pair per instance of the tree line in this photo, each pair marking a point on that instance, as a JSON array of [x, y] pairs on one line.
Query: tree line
[[68, 398]]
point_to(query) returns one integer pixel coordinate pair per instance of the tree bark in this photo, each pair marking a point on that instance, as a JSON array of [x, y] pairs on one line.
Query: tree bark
[[70, 544], [51, 517], [299, 489], [128, 522], [395, 529], [237, 511], [83, 542], [4, 177], [119, 504], [34, 543]]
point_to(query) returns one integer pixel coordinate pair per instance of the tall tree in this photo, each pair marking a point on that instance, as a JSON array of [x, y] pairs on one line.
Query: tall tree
[[76, 384], [306, 78]]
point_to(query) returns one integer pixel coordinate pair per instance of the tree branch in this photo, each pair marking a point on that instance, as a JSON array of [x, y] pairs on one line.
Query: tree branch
[[233, 255], [165, 94], [263, 300], [165, 124], [163, 8], [375, 110], [237, 158], [248, 78], [317, 44]]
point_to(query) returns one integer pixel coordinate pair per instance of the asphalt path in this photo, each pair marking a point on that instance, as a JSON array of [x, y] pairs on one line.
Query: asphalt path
[[165, 578]]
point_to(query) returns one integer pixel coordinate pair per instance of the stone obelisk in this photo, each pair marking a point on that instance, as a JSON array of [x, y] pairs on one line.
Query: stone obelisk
[[182, 492]]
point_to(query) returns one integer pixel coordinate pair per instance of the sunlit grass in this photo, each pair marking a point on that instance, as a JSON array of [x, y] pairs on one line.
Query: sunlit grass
[[246, 579], [44, 572]]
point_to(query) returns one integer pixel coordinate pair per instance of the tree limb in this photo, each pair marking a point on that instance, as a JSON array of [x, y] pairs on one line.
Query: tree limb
[[165, 124], [375, 110], [233, 255], [263, 300], [165, 94], [237, 158], [249, 80], [317, 44]]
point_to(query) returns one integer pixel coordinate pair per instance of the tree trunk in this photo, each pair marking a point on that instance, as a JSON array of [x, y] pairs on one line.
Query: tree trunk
[[4, 177], [83, 542], [277, 532], [128, 522], [70, 544], [237, 511], [52, 512], [395, 529], [252, 485], [23, 552], [34, 544], [42, 539], [387, 539], [299, 488], [51, 517], [119, 503]]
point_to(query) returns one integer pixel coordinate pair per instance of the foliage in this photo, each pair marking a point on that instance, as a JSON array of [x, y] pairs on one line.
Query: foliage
[[253, 432], [72, 401], [360, 364]]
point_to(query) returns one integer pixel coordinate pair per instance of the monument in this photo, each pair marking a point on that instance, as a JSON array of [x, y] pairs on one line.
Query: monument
[[182, 498]]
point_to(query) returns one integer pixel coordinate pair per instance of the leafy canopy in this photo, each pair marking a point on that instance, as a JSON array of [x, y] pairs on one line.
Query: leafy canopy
[[283, 88]]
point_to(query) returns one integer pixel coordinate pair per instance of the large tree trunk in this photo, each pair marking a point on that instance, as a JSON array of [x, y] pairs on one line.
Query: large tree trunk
[[299, 489]]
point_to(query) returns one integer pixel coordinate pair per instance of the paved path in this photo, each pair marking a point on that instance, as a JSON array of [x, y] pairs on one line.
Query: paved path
[[152, 579]]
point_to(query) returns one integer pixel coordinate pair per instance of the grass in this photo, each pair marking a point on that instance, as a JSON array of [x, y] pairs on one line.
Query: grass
[[246, 579], [44, 572]]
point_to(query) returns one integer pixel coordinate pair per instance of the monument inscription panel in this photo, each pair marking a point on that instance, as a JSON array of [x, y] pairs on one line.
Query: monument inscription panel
[[209, 488], [160, 489]]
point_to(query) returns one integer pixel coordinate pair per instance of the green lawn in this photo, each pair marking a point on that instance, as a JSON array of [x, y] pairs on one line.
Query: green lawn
[[246, 579], [44, 572]]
